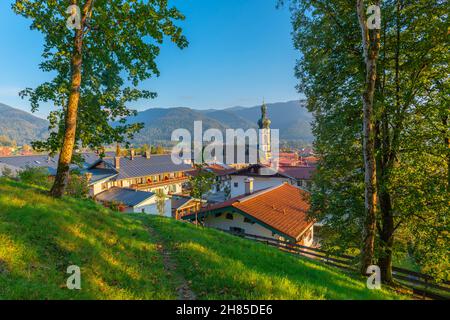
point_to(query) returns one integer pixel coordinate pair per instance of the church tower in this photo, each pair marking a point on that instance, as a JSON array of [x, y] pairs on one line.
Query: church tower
[[264, 148]]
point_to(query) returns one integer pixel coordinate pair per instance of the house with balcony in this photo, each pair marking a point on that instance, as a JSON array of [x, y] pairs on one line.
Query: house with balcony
[[149, 173], [134, 201]]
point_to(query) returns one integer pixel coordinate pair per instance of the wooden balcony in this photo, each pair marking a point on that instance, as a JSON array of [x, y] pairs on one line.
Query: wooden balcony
[[160, 183]]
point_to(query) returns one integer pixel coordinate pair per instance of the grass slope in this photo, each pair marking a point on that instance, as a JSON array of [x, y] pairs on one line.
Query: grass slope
[[40, 237]]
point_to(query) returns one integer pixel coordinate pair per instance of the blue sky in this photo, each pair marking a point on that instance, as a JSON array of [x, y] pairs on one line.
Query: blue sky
[[240, 52]]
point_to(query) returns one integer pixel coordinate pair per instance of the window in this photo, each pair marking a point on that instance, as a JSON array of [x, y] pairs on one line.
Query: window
[[247, 220], [236, 184], [237, 230], [229, 216], [218, 215]]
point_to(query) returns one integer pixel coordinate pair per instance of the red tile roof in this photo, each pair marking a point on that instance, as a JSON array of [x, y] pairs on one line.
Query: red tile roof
[[304, 173], [220, 170], [217, 169], [282, 208]]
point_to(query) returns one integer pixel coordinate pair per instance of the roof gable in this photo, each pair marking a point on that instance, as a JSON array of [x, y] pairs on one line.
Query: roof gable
[[282, 208], [129, 197]]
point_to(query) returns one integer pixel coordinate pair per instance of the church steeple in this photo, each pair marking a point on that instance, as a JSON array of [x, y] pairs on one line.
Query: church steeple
[[264, 148], [264, 122]]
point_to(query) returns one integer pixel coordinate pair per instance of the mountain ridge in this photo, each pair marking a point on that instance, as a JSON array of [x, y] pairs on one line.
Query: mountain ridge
[[290, 117]]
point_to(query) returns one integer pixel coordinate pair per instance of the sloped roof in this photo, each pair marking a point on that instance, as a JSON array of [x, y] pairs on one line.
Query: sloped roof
[[141, 166], [129, 197], [300, 172], [45, 161], [295, 172], [179, 202], [217, 169], [101, 174], [282, 208]]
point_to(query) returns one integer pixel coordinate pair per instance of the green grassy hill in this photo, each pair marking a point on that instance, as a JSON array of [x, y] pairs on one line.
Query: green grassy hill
[[142, 257]]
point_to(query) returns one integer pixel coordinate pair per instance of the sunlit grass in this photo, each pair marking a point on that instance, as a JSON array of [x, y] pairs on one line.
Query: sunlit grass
[[221, 266], [40, 237]]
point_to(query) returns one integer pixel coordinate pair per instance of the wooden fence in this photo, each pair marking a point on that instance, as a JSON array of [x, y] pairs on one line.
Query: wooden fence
[[422, 285]]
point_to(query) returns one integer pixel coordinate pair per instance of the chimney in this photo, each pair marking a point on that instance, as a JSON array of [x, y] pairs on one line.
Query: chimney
[[117, 162], [132, 153], [248, 186], [88, 176], [147, 153]]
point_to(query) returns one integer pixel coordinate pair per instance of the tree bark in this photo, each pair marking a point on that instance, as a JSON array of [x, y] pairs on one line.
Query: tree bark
[[386, 237], [371, 45], [447, 149], [65, 156], [384, 165]]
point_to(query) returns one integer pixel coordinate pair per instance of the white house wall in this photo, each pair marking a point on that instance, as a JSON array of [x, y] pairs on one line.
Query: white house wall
[[97, 187], [259, 183], [223, 223], [150, 207]]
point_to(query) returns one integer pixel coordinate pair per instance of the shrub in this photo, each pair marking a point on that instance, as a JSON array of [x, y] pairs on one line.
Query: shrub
[[36, 176], [7, 172], [77, 186]]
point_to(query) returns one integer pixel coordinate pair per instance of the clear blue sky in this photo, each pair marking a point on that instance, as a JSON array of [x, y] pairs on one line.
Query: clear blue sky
[[240, 52]]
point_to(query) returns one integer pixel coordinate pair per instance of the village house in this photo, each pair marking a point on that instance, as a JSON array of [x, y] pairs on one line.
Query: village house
[[221, 189], [148, 174], [266, 177], [278, 212], [19, 163], [134, 201], [144, 173], [184, 205]]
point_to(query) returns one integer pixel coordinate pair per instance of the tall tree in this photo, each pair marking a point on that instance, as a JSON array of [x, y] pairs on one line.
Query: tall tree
[[371, 47], [114, 39], [410, 107]]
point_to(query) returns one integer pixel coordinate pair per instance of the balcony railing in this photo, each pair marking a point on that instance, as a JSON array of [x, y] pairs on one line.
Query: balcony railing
[[160, 183]]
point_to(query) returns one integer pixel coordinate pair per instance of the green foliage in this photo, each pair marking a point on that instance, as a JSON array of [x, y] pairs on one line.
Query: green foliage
[[7, 172], [37, 176], [77, 186], [411, 124], [221, 266], [121, 40], [158, 150], [40, 237], [160, 201], [119, 258], [202, 182]]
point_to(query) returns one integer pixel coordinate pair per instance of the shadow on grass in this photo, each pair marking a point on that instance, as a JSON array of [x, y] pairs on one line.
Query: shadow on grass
[[117, 256], [221, 266]]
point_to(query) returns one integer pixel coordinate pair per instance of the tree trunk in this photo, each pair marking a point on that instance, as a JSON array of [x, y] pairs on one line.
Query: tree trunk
[[65, 156], [371, 49], [447, 147], [386, 237]]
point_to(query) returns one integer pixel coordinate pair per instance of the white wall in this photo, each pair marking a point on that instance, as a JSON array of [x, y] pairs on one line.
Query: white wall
[[97, 187], [259, 183], [222, 223], [308, 241], [150, 207], [238, 221]]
